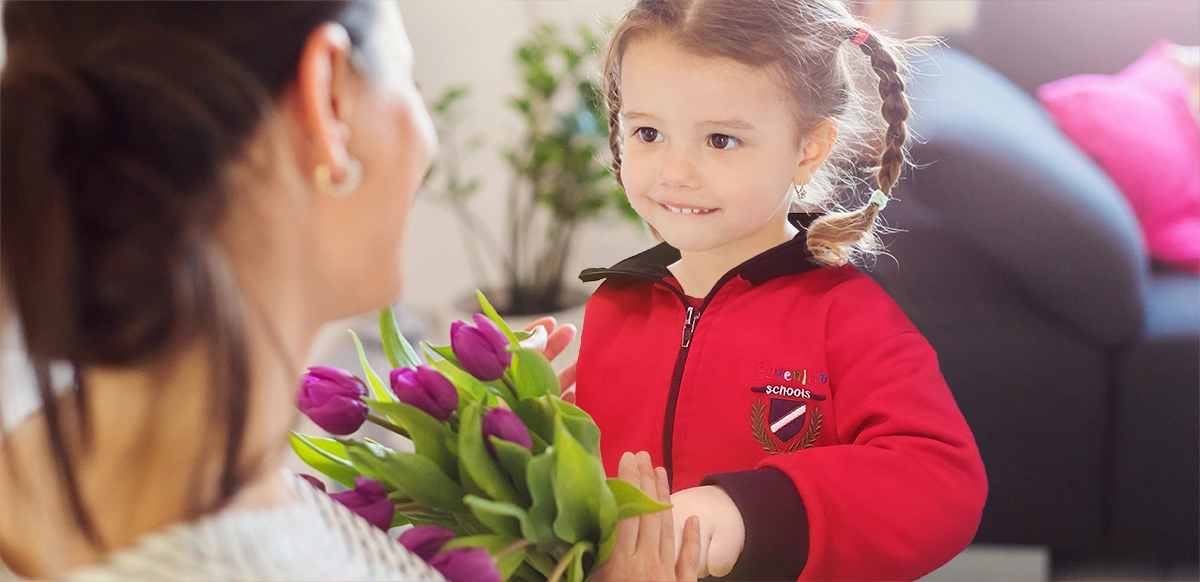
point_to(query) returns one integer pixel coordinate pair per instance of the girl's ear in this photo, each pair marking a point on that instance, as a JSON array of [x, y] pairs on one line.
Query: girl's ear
[[814, 149], [322, 98]]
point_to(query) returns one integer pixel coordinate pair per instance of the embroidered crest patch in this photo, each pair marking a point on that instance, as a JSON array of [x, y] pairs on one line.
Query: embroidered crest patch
[[785, 420]]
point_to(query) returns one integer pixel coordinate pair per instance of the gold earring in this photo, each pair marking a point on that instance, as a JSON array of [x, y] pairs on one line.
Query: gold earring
[[323, 176]]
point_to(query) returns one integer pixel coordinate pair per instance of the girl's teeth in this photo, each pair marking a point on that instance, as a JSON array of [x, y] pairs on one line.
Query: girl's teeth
[[687, 210]]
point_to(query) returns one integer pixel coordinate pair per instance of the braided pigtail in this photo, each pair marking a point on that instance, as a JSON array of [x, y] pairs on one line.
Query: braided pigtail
[[836, 237]]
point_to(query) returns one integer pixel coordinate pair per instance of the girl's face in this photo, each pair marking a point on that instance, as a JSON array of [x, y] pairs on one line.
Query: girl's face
[[710, 147]]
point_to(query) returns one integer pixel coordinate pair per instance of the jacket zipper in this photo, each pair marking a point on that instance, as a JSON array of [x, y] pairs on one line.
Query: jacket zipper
[[691, 317]]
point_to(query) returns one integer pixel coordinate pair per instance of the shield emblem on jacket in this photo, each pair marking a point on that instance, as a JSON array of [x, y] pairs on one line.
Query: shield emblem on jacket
[[786, 418]]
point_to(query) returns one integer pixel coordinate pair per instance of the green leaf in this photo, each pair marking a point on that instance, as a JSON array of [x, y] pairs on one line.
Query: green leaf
[[579, 423], [539, 475], [325, 455], [514, 459], [475, 461], [491, 314], [446, 352], [467, 385], [500, 517], [398, 519], [631, 501], [538, 416], [533, 374], [575, 573], [425, 482], [587, 510], [399, 352], [371, 460], [378, 388], [429, 435]]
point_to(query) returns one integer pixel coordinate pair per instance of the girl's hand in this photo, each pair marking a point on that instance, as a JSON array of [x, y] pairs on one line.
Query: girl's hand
[[558, 337], [722, 531], [645, 547]]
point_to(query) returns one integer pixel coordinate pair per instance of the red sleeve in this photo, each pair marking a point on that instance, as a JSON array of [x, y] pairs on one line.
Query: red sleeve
[[904, 493]]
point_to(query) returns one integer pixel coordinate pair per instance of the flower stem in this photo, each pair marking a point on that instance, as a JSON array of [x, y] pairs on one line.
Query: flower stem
[[409, 507], [556, 575], [511, 387], [513, 547], [388, 425]]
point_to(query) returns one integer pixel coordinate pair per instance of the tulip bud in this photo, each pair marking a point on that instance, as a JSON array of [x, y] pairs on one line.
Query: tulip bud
[[316, 483], [425, 388], [482, 349], [504, 424], [331, 397], [425, 540], [370, 501], [466, 565]]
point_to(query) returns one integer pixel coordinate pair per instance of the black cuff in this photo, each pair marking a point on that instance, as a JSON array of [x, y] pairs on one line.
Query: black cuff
[[776, 523]]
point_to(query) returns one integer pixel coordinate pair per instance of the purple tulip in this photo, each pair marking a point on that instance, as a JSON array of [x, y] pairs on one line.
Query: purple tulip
[[482, 349], [503, 424], [425, 388], [331, 398], [425, 540], [370, 501], [466, 565], [317, 483]]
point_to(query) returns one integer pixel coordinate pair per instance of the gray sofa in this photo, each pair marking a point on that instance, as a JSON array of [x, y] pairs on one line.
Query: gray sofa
[[1075, 360]]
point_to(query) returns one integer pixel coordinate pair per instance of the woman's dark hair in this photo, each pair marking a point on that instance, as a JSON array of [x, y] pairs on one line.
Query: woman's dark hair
[[119, 125]]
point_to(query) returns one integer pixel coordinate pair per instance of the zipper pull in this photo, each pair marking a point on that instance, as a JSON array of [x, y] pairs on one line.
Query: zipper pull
[[689, 326]]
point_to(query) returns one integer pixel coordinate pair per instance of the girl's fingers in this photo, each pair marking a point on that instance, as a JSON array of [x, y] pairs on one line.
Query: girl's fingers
[[666, 535], [559, 339], [627, 529], [688, 563], [649, 528], [566, 381]]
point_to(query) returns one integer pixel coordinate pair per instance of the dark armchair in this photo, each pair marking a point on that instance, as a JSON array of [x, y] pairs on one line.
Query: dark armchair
[[1074, 359]]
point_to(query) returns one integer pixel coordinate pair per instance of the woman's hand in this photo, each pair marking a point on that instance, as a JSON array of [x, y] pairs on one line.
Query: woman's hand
[[722, 531], [558, 337], [645, 547]]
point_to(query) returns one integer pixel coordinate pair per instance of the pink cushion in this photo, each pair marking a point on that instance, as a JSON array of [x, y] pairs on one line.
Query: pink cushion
[[1138, 126]]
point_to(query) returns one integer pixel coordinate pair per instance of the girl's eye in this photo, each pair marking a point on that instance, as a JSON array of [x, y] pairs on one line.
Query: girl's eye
[[723, 142], [649, 134]]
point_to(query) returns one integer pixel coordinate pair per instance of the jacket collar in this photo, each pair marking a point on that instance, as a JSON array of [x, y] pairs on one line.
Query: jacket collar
[[789, 258]]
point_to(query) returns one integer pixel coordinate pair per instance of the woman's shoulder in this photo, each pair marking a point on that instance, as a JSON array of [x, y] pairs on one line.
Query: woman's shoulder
[[313, 538]]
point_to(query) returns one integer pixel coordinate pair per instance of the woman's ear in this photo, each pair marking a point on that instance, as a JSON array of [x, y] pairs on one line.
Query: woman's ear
[[323, 96], [814, 149]]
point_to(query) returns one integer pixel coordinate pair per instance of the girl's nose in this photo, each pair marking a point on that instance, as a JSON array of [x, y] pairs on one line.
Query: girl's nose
[[678, 170]]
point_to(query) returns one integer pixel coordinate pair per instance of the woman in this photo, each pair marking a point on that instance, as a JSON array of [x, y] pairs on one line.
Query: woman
[[189, 192]]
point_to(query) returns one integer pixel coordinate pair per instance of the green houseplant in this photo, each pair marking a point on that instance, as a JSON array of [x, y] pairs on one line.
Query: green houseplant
[[560, 169]]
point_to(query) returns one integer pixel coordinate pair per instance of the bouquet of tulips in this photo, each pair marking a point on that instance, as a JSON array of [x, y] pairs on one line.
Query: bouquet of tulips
[[504, 470]]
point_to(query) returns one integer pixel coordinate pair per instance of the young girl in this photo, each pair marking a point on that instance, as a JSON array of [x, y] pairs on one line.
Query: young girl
[[796, 410]]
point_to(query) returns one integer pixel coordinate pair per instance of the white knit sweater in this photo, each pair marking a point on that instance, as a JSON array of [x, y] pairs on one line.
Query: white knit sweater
[[314, 538]]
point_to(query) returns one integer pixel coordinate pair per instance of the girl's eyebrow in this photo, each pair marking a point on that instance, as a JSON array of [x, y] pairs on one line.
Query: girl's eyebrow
[[639, 115], [734, 123]]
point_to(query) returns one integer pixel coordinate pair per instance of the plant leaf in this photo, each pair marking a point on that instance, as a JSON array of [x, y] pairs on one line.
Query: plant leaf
[[422, 480], [399, 352], [575, 573], [325, 455], [539, 475], [538, 416], [514, 459], [378, 388], [587, 510], [491, 314], [474, 460], [533, 374], [631, 501], [500, 517], [579, 423], [429, 435]]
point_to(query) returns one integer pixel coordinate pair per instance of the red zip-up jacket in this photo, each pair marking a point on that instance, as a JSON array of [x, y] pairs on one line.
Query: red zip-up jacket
[[805, 393]]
